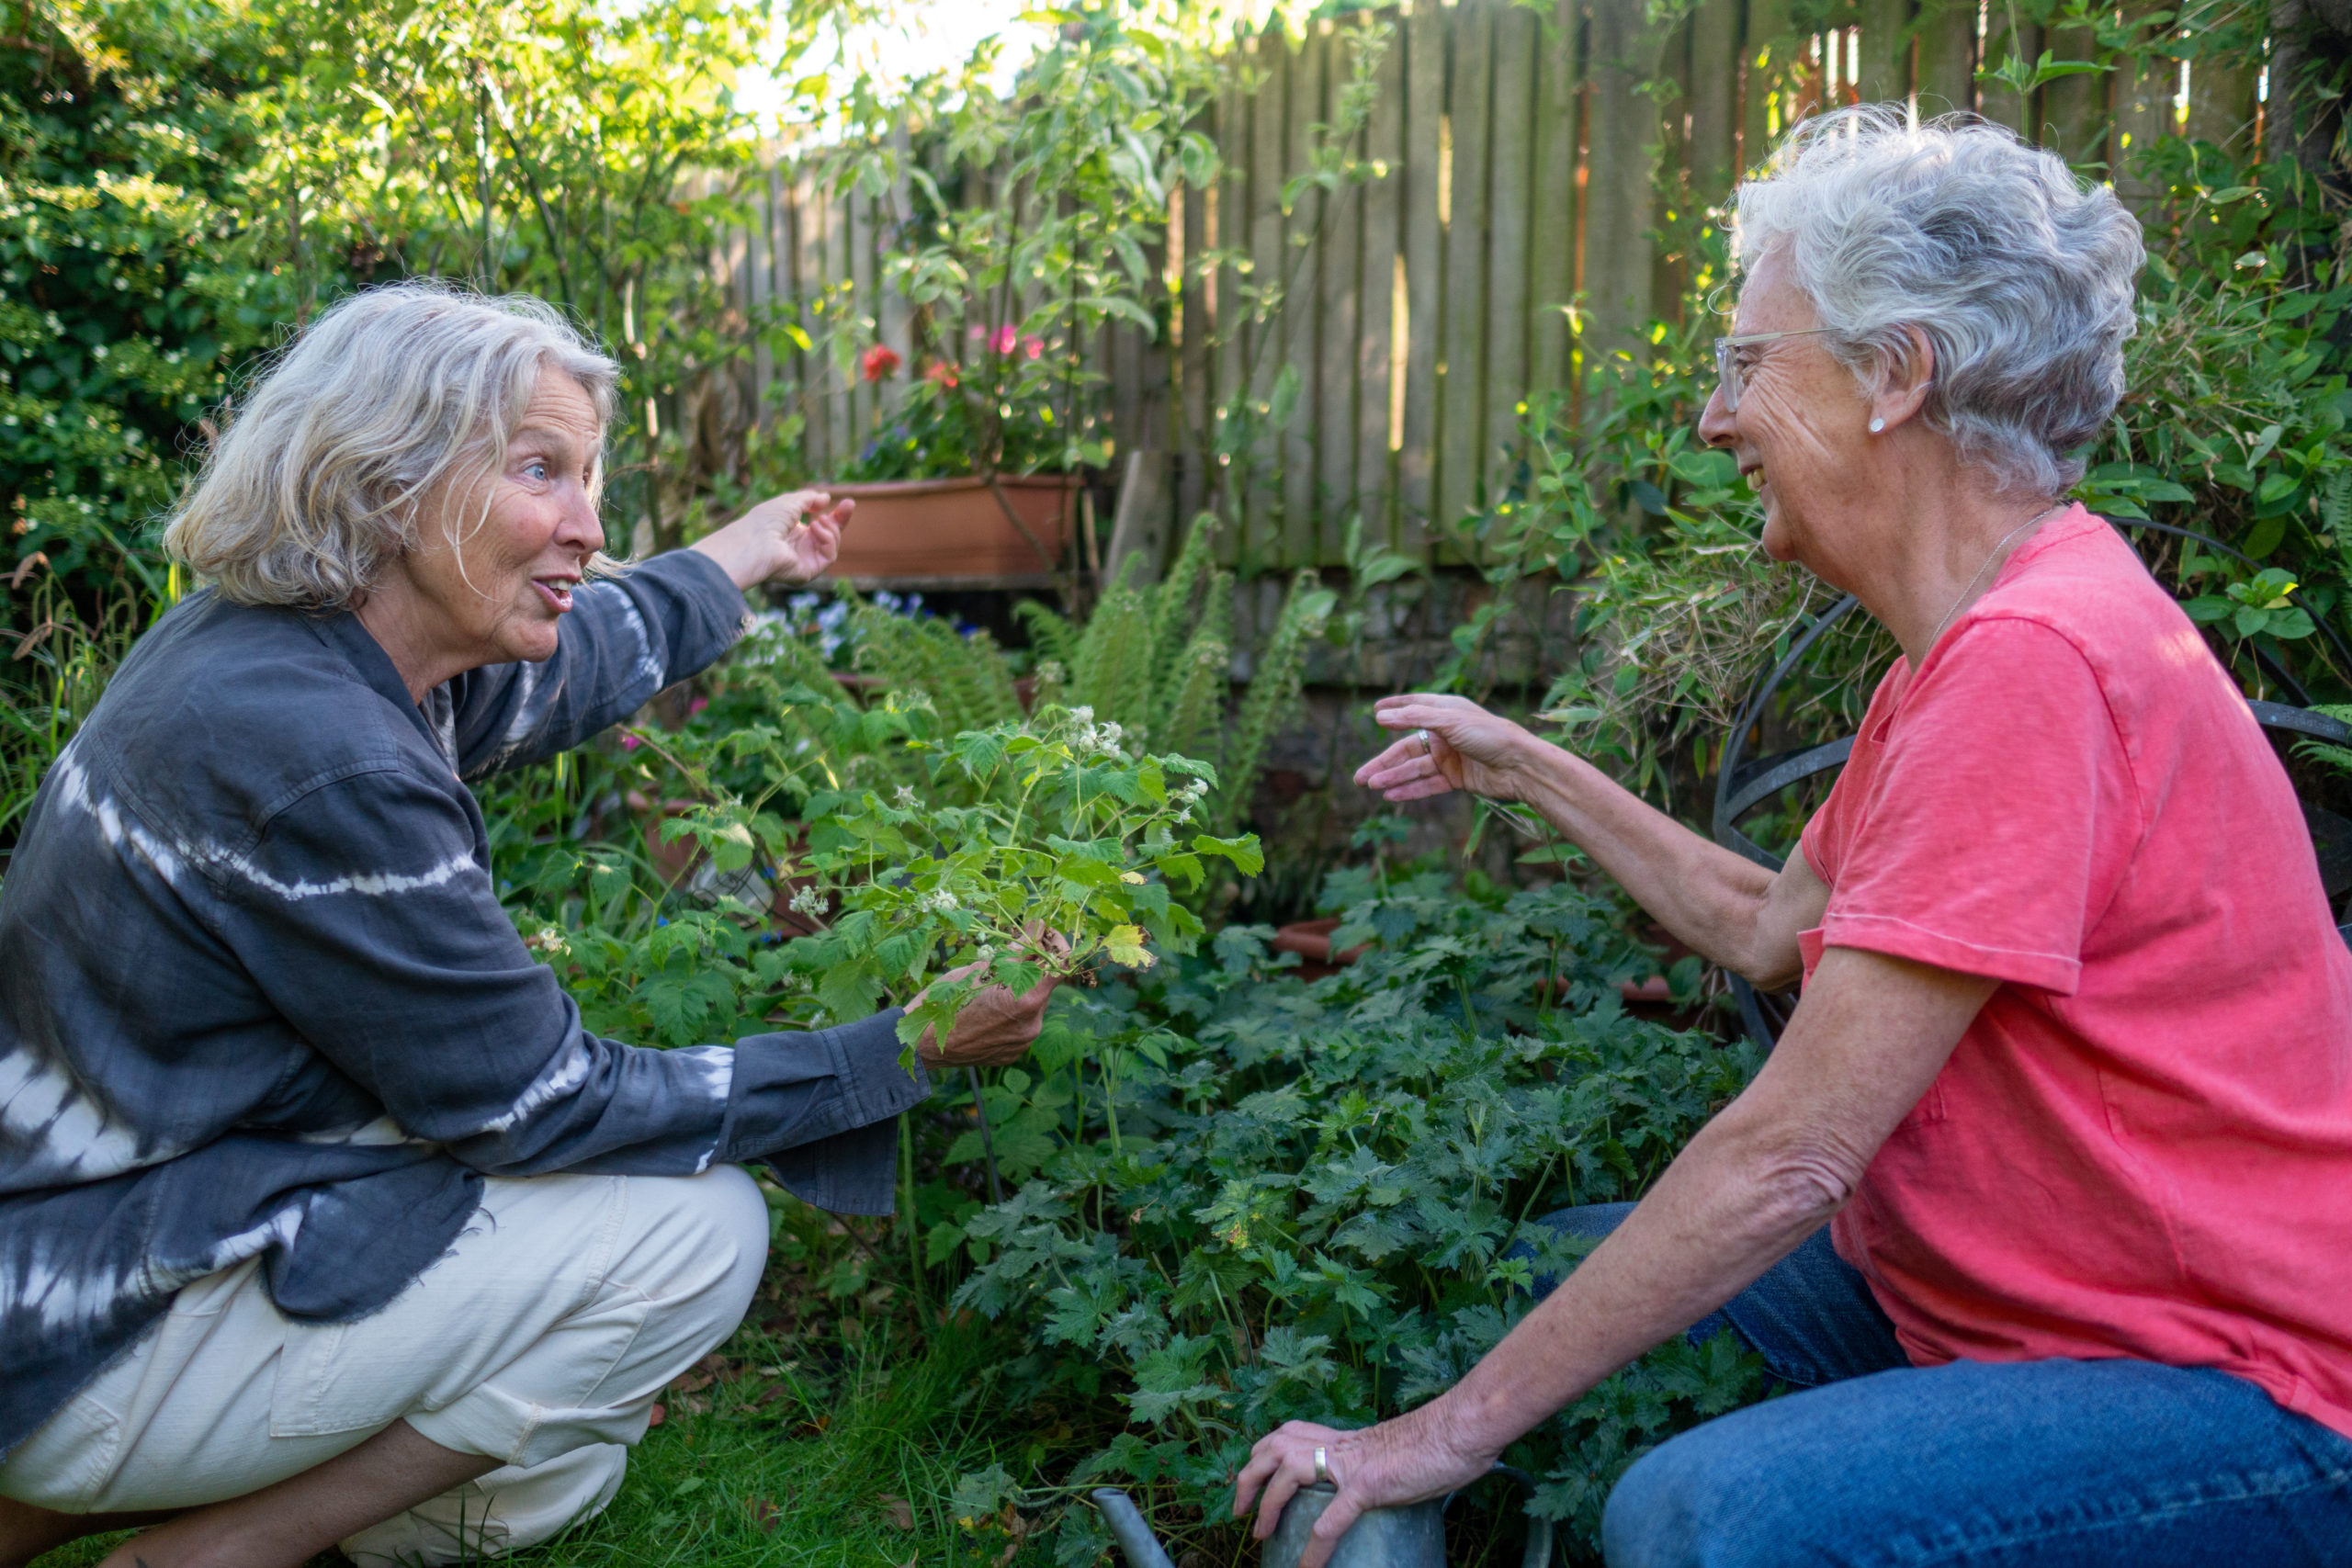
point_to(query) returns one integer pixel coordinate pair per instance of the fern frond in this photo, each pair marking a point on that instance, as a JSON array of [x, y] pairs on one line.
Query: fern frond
[[1050, 633], [1111, 669], [967, 680], [1274, 686], [1194, 722], [1171, 607]]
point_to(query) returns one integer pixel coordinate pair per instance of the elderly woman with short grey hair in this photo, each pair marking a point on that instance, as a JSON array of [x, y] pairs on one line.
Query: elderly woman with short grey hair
[[2040, 1203], [321, 1217]]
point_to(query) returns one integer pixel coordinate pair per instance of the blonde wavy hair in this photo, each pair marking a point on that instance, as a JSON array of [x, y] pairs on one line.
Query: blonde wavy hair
[[317, 480]]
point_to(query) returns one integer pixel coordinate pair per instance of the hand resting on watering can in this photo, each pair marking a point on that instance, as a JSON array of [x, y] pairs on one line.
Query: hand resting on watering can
[[1405, 1460], [997, 1026]]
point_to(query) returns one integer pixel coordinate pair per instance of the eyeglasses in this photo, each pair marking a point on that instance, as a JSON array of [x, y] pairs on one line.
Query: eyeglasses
[[1727, 360]]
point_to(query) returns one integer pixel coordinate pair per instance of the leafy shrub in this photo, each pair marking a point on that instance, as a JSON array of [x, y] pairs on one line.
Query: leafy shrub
[[129, 286], [1250, 1199], [1068, 834]]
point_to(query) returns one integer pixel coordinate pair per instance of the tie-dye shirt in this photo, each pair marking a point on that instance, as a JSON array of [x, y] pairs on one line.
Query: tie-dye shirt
[[257, 996]]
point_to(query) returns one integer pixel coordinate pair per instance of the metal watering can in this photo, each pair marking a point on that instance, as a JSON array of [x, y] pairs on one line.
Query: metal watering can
[[1409, 1537]]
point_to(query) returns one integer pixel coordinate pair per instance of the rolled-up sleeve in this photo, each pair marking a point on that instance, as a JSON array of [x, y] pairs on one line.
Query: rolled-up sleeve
[[626, 637]]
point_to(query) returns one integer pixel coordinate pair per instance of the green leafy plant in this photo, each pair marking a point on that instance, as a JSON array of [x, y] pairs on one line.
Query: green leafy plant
[[1313, 1204], [1065, 864]]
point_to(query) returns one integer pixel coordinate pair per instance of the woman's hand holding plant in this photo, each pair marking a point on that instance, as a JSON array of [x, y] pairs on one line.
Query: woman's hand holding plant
[[1467, 748], [789, 538], [999, 1024]]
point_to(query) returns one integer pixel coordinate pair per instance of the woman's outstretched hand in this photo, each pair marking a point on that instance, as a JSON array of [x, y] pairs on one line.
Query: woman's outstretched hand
[[1396, 1462], [1468, 748], [789, 538]]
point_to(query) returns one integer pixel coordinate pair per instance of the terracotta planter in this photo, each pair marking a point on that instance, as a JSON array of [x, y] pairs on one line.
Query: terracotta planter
[[950, 532], [1311, 940]]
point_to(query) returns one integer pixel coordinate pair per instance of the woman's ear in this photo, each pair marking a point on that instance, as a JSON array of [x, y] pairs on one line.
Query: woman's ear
[[1903, 390]]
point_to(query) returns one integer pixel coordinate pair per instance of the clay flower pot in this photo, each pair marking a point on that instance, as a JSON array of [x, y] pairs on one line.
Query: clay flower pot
[[949, 532]]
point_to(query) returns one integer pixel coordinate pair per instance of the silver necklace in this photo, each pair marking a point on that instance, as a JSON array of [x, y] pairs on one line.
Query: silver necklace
[[1992, 557]]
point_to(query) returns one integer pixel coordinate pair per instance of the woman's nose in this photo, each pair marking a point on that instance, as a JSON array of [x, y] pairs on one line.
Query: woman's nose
[[1716, 426], [579, 528]]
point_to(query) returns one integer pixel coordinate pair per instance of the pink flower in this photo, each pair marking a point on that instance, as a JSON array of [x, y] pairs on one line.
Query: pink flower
[[696, 707], [631, 743], [939, 371], [1004, 339], [978, 332], [1033, 346]]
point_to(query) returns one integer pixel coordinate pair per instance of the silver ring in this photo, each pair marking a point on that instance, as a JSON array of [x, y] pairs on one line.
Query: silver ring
[[1322, 1468], [1429, 746]]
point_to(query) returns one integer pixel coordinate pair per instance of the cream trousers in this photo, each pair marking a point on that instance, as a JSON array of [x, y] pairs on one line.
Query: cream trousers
[[541, 1340]]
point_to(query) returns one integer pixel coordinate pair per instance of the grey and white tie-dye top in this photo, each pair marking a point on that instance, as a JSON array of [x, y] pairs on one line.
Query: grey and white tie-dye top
[[257, 995]]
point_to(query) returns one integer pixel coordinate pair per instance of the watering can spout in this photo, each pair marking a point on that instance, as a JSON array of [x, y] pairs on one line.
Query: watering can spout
[[1142, 1547]]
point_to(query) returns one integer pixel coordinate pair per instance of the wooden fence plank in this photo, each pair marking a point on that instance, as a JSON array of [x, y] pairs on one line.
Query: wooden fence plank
[[760, 200], [1424, 243], [1269, 140], [1552, 237], [2143, 111], [2077, 111], [1195, 366], [864, 310], [1463, 377], [1379, 313], [1297, 455], [1340, 327], [2221, 106], [1885, 67], [1235, 122], [1619, 176], [1518, 53], [809, 263], [1713, 138], [1946, 58], [1767, 61], [894, 316]]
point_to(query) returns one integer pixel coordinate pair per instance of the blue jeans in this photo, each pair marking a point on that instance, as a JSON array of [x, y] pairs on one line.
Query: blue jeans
[[2055, 1464]]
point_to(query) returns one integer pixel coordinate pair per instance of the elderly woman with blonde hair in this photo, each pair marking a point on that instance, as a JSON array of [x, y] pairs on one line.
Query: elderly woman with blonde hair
[[2040, 1202], [321, 1217]]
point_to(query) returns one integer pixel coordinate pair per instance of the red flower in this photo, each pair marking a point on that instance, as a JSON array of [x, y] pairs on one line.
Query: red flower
[[1033, 346], [881, 360], [939, 371]]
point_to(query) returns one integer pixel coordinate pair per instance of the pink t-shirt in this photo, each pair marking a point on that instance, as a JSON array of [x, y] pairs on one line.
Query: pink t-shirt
[[2142, 1145]]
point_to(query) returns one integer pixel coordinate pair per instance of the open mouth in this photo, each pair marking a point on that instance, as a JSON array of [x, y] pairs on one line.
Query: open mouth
[[556, 591]]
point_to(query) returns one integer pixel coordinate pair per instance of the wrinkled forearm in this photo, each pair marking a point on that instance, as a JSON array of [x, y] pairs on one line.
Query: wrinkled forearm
[[1728, 1209], [1870, 1036], [1717, 902]]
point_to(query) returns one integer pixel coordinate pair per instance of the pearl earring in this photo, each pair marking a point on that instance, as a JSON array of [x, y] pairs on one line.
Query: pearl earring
[[1877, 425]]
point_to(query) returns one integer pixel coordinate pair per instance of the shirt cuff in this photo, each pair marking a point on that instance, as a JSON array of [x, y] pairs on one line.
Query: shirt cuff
[[836, 1147]]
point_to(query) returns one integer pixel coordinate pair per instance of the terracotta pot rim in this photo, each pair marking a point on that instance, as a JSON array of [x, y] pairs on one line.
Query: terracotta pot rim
[[877, 488]]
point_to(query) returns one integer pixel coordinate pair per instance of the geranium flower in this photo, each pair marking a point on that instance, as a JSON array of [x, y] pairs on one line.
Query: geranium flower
[[941, 371], [1005, 337], [881, 360], [1033, 346]]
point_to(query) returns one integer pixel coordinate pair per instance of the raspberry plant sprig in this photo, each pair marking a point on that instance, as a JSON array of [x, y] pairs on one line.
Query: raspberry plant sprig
[[1071, 834]]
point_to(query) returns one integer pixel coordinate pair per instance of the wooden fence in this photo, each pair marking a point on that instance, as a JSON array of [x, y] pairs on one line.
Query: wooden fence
[[1532, 160]]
